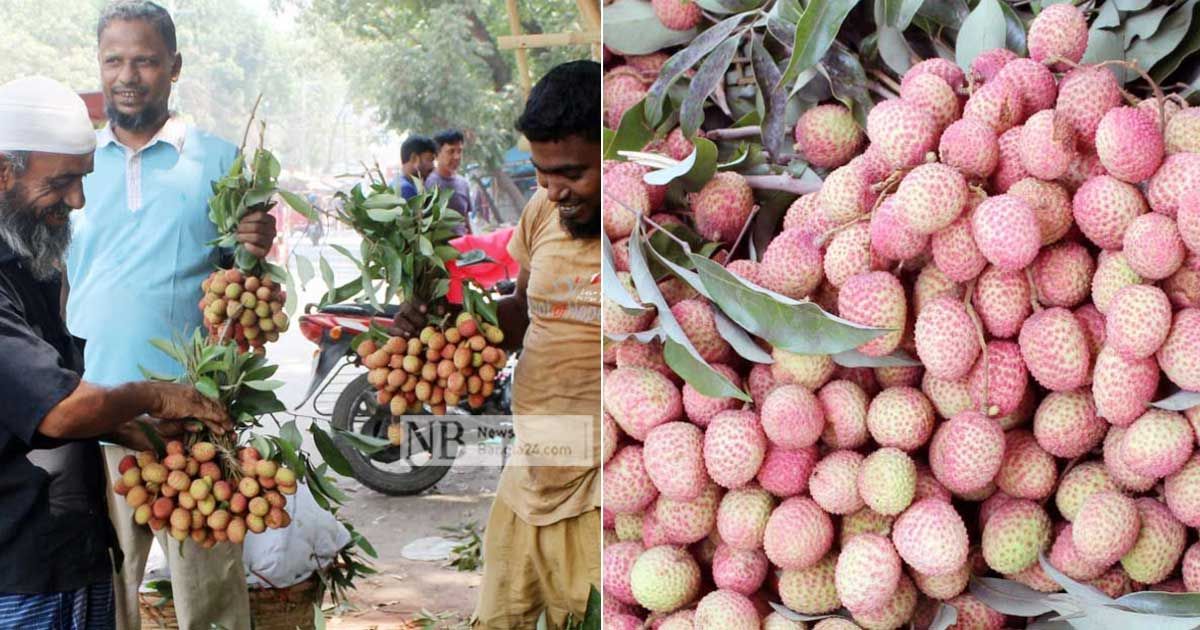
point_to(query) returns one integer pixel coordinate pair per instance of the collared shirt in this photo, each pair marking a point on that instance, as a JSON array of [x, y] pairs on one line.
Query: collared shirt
[[140, 251], [54, 529], [461, 201]]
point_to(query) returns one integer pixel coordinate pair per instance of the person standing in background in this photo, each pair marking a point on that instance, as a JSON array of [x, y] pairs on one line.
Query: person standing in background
[[416, 154], [445, 175]]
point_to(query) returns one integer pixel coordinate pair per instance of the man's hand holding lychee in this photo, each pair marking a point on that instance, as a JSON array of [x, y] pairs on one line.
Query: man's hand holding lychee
[[256, 232]]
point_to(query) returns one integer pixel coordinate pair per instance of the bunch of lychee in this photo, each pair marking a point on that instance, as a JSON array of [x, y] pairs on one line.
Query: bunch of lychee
[[440, 368], [242, 308], [192, 495], [1034, 243]]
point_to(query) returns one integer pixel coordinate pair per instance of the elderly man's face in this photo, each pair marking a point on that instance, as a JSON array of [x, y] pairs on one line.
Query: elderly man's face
[[35, 207]]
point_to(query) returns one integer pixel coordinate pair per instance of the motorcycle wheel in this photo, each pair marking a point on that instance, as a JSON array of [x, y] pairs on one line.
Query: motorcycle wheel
[[358, 411]]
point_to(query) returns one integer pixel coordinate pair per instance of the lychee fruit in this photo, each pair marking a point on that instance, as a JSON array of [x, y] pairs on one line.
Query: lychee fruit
[[734, 448], [624, 197], [867, 572], [864, 521], [813, 589], [1000, 382], [1084, 96], [1002, 301], [828, 136], [887, 481], [943, 68], [1182, 492], [834, 482], [1078, 484], [1114, 463], [1066, 425], [966, 452], [687, 522], [845, 408], [903, 131], [1006, 232], [1138, 320], [1063, 274], [674, 459], [1055, 350], [792, 264], [1159, 544], [901, 417], [1177, 175], [1113, 273], [890, 234], [1179, 355], [664, 578], [845, 195], [849, 253], [722, 207], [1027, 471], [894, 614], [970, 146], [1129, 143], [785, 472], [1034, 81], [931, 537], [1047, 145], [1015, 535], [932, 94], [1058, 32], [742, 517], [810, 371], [875, 299], [640, 399], [1153, 247], [792, 417], [989, 63], [1106, 527], [798, 534], [997, 104], [1009, 169], [618, 562], [700, 409], [1051, 205], [677, 15], [741, 571], [630, 488], [725, 608], [697, 318], [946, 338], [1065, 557]]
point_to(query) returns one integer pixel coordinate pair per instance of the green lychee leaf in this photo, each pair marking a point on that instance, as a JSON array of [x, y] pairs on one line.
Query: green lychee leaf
[[984, 29], [1009, 597], [815, 32], [707, 79], [680, 62], [1179, 401], [613, 289], [1162, 603], [632, 28], [856, 359]]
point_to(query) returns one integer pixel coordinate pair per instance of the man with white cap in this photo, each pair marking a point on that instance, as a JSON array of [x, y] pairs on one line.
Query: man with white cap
[[55, 537], [139, 253]]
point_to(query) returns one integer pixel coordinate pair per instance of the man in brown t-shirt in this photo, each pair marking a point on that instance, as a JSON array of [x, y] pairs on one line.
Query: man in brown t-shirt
[[542, 541]]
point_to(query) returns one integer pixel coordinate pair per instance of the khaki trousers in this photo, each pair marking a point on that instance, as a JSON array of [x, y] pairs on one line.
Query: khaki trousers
[[528, 569], [209, 586]]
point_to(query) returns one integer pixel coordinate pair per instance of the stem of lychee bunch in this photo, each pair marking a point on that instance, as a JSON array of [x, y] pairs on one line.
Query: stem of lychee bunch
[[785, 183], [1034, 301], [737, 242], [968, 301], [734, 133], [886, 80]]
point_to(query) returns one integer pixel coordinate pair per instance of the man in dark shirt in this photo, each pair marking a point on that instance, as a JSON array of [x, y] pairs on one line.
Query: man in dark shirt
[[416, 154], [445, 174], [55, 536]]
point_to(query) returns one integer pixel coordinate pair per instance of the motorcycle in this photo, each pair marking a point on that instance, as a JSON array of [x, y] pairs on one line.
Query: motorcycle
[[426, 453]]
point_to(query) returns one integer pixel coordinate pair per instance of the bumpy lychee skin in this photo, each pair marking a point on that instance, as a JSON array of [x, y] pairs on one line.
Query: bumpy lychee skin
[[901, 417], [948, 397], [997, 104], [1058, 31], [845, 407], [943, 587], [946, 338], [1006, 232], [1003, 379], [619, 320], [792, 417], [792, 264], [1094, 324], [1015, 535], [785, 472], [932, 94], [864, 521], [810, 371], [665, 578], [1178, 174], [1182, 492], [1055, 350], [1104, 207], [677, 15], [725, 608], [943, 68], [674, 458], [887, 481], [1123, 387], [610, 435], [849, 253], [632, 488], [1051, 205], [1179, 355], [931, 537], [1191, 568], [1066, 558], [1106, 527], [990, 63], [734, 448], [742, 517], [722, 207], [1188, 219], [1078, 484], [1129, 143], [798, 534], [894, 614], [618, 562], [1028, 471], [867, 573], [677, 145], [903, 131], [1138, 320], [624, 195], [827, 136], [899, 375], [932, 197], [1002, 301], [1159, 544], [834, 482], [1009, 169], [966, 452], [1063, 274], [1034, 81], [739, 571], [890, 234], [657, 195], [700, 409], [1086, 166], [876, 299], [623, 88], [1182, 134], [640, 399], [797, 214], [687, 522], [1114, 463], [970, 146], [845, 195], [811, 590], [932, 284], [1066, 425], [1113, 273], [1084, 96], [1153, 246], [1047, 145]]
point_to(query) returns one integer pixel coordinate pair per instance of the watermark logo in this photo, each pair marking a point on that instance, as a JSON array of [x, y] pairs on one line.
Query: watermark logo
[[496, 441]]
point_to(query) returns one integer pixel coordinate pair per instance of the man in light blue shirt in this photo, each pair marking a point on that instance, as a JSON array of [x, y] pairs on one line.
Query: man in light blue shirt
[[138, 255]]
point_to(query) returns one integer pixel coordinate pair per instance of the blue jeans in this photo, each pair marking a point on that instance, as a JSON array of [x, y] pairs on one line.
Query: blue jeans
[[88, 608]]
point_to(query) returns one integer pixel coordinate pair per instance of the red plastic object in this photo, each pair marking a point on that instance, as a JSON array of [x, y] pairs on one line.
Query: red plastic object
[[495, 245]]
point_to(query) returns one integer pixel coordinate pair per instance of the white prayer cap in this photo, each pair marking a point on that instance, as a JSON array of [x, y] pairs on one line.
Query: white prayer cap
[[42, 115]]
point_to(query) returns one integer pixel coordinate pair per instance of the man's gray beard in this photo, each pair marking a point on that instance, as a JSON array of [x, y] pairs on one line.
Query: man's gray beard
[[41, 246]]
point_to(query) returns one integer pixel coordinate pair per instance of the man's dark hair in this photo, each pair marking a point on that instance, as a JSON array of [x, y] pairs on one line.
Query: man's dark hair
[[142, 10], [564, 103], [449, 136], [416, 145]]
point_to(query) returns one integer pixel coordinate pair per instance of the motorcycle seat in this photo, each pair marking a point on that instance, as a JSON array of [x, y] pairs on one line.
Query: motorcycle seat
[[361, 310]]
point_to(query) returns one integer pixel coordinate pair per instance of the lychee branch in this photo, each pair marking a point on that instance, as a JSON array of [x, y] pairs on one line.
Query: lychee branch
[[785, 183]]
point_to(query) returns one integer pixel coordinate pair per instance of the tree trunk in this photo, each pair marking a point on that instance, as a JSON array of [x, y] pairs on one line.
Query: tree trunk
[[501, 72], [511, 195]]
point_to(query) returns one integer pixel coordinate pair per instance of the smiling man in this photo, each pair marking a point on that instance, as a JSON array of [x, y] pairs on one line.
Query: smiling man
[[445, 174], [542, 542], [138, 256]]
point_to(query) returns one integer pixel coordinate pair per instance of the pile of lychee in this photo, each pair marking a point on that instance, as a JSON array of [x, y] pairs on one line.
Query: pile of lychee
[[243, 308], [1032, 239], [189, 492], [440, 368]]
